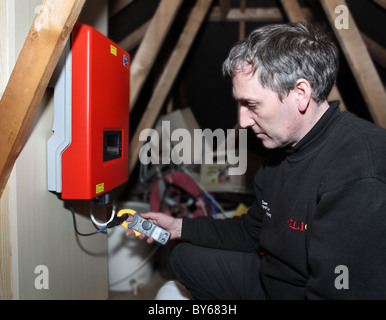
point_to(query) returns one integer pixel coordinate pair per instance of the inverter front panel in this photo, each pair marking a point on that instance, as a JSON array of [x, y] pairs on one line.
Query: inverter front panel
[[96, 161]]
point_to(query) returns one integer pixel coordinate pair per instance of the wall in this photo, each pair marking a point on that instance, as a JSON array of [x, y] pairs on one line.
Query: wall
[[36, 227]]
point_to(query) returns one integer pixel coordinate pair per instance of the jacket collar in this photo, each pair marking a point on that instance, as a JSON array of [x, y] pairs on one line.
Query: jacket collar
[[315, 138]]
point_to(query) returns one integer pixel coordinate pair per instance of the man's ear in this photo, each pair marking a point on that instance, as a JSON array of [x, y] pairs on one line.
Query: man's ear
[[303, 92]]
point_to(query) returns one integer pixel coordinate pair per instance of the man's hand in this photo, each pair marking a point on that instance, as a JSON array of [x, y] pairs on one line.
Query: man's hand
[[171, 224]]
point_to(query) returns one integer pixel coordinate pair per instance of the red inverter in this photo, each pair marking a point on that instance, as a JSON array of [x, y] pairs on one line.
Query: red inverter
[[88, 153]]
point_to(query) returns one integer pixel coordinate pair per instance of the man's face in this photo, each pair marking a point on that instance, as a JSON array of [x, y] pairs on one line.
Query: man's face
[[273, 121]]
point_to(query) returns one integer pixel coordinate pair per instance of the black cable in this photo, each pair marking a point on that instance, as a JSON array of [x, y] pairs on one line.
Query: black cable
[[75, 227], [117, 221]]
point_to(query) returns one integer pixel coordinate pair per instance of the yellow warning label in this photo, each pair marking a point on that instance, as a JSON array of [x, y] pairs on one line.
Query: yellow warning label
[[100, 188], [113, 50]]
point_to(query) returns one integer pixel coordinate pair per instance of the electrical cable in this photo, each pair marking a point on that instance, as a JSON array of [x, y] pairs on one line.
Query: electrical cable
[[99, 224], [112, 223], [75, 226]]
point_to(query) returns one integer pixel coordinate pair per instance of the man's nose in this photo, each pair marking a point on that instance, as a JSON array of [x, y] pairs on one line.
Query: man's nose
[[245, 119]]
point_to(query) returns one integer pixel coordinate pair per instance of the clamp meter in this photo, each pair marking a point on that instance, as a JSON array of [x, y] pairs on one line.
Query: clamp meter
[[141, 225]]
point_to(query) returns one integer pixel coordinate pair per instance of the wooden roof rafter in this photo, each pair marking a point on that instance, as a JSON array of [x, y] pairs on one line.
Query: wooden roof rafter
[[296, 14], [170, 71], [30, 77], [360, 62], [150, 45], [222, 13], [382, 3], [116, 6]]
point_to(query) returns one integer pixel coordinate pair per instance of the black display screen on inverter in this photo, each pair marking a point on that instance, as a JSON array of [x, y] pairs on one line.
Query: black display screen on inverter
[[112, 145]]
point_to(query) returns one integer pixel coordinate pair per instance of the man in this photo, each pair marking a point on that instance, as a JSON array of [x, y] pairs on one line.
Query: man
[[317, 229]]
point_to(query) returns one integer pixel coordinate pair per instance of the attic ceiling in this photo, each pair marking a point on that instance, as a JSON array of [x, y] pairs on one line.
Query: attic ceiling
[[177, 54], [199, 83]]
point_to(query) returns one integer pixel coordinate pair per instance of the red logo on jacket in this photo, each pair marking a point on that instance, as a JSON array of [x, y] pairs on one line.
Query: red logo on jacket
[[297, 225]]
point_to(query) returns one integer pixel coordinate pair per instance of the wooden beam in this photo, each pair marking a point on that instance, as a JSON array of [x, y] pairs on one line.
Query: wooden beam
[[293, 10], [243, 5], [296, 14], [377, 52], [382, 3], [135, 38], [168, 76], [272, 14], [29, 79], [225, 6], [250, 14], [117, 5], [150, 46], [360, 62]]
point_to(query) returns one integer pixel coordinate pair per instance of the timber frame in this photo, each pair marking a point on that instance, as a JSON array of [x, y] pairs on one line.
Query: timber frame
[[30, 77], [43, 48]]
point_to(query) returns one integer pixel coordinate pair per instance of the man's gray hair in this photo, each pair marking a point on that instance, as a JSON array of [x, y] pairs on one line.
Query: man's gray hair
[[283, 53]]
